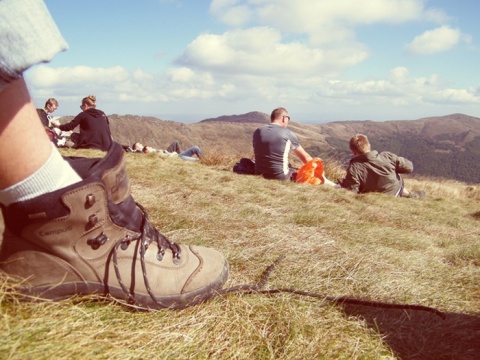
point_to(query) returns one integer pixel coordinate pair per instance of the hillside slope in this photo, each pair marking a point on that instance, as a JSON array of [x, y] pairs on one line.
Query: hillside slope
[[331, 243], [443, 146]]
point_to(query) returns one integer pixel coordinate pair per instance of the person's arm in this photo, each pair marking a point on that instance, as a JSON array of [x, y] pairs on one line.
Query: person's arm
[[351, 181], [302, 154], [72, 124], [403, 166]]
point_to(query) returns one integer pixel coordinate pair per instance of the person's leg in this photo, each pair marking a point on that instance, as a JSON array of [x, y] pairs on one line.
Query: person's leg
[[89, 237], [84, 234], [328, 182], [174, 147], [19, 136], [190, 153], [30, 165]]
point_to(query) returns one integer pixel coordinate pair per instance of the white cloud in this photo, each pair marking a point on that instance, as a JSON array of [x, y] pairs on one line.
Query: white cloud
[[322, 21], [434, 41], [43, 76], [278, 52], [230, 12], [248, 92], [260, 51], [453, 96], [437, 16], [183, 74], [297, 38], [399, 74]]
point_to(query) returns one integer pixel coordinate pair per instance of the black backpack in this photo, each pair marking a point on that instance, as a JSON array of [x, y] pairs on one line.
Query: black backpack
[[245, 166]]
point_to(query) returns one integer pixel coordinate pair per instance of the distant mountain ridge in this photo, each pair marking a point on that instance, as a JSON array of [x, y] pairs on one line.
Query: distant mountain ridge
[[441, 146], [253, 117]]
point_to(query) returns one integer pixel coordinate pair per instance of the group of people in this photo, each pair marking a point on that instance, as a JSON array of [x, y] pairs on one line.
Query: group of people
[[94, 125], [368, 171], [71, 224], [95, 131]]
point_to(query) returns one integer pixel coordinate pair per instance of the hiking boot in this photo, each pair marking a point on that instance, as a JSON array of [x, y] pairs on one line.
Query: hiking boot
[[92, 238]]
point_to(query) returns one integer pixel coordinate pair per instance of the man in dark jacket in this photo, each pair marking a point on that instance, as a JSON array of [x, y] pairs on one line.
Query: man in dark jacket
[[44, 114], [370, 171]]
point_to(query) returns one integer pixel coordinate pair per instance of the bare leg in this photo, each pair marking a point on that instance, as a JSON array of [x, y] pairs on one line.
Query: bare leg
[[330, 182], [24, 146], [30, 165]]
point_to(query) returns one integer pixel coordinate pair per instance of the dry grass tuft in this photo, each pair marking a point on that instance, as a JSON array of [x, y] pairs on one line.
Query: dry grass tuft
[[372, 246], [217, 157]]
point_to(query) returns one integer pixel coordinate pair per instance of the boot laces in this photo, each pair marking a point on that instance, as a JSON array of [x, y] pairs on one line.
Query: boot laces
[[148, 235]]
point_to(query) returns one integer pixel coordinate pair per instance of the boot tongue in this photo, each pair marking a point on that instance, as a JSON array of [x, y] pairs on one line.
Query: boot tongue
[[117, 182]]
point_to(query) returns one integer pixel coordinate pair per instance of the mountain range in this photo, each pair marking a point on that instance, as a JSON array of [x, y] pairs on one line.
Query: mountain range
[[440, 146]]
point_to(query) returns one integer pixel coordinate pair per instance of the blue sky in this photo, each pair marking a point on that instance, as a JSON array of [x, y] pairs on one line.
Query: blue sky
[[323, 60]]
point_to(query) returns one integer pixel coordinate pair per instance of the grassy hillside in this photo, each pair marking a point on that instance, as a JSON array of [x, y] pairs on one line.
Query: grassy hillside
[[371, 247]]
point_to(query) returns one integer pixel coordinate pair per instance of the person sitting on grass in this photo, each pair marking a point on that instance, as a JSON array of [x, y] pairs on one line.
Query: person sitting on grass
[[94, 126], [272, 144], [44, 114], [371, 171]]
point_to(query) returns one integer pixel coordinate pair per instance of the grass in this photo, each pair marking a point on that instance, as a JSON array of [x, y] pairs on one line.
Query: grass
[[372, 247]]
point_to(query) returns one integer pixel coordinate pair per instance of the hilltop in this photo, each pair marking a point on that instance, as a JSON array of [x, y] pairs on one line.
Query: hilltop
[[440, 146], [374, 251]]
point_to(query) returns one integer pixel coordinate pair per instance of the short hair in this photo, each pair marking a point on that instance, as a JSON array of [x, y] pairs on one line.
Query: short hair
[[90, 100], [276, 113], [359, 144], [51, 101]]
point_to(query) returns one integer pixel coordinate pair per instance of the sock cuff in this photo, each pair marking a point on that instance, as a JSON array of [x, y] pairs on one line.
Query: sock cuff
[[55, 174]]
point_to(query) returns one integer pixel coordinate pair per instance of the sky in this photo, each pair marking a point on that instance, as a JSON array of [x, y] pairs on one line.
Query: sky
[[323, 60]]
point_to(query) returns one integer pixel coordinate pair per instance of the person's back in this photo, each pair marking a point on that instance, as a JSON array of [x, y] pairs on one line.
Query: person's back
[[370, 171], [94, 127], [272, 144], [377, 172], [94, 130]]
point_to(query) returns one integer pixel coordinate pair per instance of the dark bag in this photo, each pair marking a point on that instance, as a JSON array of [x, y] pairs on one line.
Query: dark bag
[[245, 166]]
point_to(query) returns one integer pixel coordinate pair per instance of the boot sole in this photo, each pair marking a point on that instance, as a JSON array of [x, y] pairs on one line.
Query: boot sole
[[141, 301]]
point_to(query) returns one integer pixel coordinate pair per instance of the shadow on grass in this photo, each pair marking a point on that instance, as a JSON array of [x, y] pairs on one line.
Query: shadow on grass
[[420, 335]]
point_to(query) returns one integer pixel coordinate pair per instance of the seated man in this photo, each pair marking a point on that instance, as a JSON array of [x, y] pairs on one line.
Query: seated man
[[173, 150], [49, 122], [44, 114], [370, 171], [272, 144]]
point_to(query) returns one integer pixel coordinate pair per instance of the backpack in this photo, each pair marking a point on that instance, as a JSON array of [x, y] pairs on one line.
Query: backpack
[[245, 166], [311, 172]]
